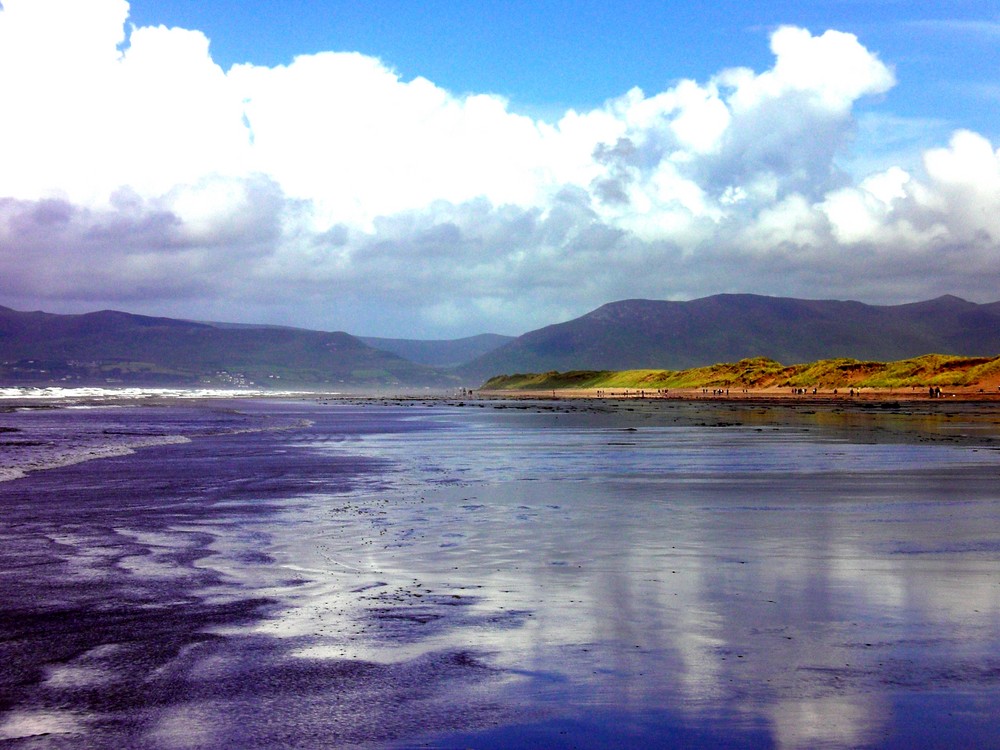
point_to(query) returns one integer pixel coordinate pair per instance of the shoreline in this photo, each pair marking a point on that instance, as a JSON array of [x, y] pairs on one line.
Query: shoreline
[[771, 395], [964, 394]]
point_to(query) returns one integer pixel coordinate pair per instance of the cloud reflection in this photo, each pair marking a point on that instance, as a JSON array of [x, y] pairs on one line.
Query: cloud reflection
[[649, 577]]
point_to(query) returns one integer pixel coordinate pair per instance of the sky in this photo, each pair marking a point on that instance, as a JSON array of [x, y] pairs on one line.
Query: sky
[[441, 169]]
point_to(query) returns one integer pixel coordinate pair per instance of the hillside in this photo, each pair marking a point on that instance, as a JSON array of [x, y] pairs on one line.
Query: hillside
[[761, 373], [631, 335], [440, 352], [118, 347], [637, 334]]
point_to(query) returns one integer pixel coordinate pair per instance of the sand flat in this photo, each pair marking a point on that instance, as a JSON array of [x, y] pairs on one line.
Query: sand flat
[[510, 574]]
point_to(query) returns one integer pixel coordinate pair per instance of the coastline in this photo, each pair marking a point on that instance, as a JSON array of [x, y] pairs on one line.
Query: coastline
[[825, 395], [25, 452]]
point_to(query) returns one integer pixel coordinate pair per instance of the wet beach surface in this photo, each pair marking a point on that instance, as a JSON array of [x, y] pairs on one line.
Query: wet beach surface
[[440, 574]]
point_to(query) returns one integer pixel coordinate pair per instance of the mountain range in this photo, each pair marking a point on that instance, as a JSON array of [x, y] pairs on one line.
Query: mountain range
[[637, 334], [440, 352], [118, 347]]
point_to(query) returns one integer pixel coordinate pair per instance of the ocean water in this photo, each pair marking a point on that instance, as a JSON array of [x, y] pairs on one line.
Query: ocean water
[[388, 574]]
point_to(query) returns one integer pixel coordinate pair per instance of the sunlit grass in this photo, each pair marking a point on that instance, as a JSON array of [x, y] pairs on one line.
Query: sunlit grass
[[760, 372]]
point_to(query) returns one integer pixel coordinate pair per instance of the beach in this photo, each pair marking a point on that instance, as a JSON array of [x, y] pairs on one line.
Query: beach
[[494, 573], [846, 395]]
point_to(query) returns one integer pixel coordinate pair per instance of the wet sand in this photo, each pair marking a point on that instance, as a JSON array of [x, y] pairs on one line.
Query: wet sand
[[380, 573], [847, 395]]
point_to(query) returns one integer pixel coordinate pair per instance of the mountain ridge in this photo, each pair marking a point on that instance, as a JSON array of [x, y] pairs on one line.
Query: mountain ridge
[[439, 352], [118, 347], [663, 334], [632, 334]]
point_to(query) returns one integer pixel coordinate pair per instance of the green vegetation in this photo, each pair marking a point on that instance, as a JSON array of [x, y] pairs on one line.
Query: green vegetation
[[760, 372], [119, 348], [633, 334]]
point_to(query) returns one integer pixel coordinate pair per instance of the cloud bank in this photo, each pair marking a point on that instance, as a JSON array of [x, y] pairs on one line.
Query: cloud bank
[[331, 193]]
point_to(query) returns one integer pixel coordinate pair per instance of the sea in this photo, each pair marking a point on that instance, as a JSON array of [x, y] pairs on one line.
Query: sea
[[251, 570]]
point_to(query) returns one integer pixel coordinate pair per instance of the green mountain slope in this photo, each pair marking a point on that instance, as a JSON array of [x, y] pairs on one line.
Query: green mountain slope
[[135, 349], [639, 334]]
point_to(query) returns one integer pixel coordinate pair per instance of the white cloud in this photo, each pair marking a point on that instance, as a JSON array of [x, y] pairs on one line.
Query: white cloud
[[833, 70], [955, 205], [297, 191]]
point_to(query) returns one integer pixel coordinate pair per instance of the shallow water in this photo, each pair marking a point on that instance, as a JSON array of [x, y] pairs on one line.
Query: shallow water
[[488, 575]]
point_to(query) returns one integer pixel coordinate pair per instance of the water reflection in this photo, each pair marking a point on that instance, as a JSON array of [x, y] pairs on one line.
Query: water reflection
[[796, 580]]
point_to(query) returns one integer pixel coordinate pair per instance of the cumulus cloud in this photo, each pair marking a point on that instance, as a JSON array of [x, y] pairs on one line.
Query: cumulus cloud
[[330, 192]]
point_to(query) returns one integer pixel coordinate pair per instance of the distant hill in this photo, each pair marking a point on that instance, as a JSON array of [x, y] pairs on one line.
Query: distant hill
[[110, 346], [440, 352], [118, 347], [649, 334]]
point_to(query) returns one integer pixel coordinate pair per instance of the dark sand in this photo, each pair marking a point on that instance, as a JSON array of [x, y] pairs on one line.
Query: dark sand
[[502, 574], [985, 393]]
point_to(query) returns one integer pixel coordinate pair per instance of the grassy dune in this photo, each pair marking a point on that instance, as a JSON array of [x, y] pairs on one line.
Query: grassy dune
[[760, 372]]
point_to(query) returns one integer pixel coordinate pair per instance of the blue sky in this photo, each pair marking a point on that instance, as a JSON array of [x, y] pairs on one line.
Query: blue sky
[[492, 166], [546, 56]]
